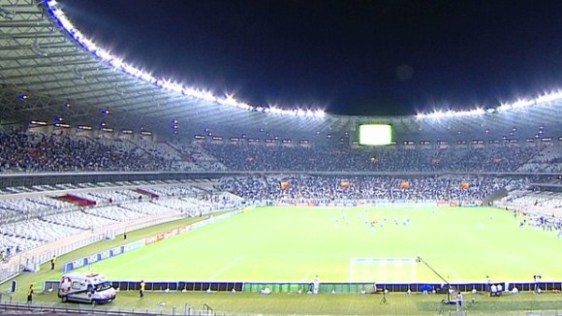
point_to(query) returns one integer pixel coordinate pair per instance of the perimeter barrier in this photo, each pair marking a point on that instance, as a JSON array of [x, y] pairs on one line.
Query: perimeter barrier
[[334, 288]]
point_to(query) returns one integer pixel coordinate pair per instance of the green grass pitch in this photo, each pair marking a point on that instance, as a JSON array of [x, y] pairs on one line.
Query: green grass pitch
[[293, 244]]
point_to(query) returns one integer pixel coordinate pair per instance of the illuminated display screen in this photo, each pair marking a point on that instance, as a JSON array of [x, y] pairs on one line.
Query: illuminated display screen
[[375, 134]]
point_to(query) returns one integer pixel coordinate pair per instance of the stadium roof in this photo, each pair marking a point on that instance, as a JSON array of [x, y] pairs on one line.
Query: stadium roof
[[49, 73], [46, 73]]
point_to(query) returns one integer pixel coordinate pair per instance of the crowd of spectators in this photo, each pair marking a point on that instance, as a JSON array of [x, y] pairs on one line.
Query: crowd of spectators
[[538, 209], [548, 160], [30, 152], [35, 152], [467, 190], [283, 158]]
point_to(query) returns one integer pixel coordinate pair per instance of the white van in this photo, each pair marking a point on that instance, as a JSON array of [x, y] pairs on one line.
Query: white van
[[86, 288]]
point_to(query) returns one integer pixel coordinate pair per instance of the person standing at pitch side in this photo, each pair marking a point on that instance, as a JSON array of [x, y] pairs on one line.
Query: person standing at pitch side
[[141, 289]]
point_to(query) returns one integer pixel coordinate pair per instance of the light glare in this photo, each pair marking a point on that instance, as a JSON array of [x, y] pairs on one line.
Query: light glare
[[169, 85]]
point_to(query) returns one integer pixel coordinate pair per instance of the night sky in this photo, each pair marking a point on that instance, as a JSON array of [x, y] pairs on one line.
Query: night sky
[[391, 57]]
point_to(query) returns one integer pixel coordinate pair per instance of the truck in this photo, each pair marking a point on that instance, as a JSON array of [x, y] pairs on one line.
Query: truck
[[86, 288]]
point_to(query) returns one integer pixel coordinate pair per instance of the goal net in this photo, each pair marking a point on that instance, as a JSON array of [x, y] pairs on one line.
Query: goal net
[[382, 270]]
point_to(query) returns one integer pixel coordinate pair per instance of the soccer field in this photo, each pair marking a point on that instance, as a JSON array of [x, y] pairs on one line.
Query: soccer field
[[293, 244]]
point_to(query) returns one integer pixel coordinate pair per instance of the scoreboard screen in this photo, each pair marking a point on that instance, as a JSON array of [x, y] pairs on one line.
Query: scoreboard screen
[[375, 134]]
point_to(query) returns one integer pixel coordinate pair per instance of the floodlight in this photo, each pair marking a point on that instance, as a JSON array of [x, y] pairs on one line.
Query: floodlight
[[118, 63], [549, 97]]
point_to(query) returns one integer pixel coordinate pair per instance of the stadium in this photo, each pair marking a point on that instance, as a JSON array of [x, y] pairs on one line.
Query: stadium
[[220, 207]]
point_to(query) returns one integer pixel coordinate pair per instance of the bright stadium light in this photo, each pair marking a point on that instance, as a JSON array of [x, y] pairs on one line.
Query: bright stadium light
[[166, 84], [543, 99], [116, 62], [438, 114], [300, 112], [549, 97], [522, 104]]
